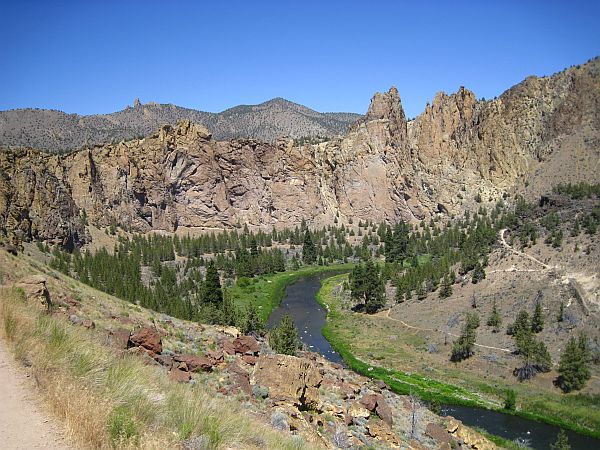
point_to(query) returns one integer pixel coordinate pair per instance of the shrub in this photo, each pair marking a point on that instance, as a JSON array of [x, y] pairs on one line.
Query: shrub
[[122, 428]]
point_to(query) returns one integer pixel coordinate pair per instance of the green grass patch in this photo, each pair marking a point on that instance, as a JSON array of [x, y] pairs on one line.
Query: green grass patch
[[577, 412], [267, 291]]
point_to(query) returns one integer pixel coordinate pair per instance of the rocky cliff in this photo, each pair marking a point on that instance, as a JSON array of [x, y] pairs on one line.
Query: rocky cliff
[[458, 152]]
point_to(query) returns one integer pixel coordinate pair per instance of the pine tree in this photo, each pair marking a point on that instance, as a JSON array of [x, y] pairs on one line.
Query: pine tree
[[463, 346], [446, 290], [212, 292], [562, 441], [478, 273], [574, 365], [495, 320], [252, 321], [284, 337], [309, 251], [537, 321], [521, 322]]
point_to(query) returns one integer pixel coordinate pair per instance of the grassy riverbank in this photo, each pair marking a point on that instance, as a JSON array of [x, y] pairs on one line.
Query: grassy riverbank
[[356, 338], [267, 291]]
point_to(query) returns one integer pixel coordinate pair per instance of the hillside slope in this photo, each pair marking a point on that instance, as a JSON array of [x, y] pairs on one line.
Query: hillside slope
[[123, 376], [56, 131]]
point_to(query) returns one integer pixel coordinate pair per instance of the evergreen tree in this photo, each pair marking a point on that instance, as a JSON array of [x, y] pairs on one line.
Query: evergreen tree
[[211, 290], [574, 365], [562, 441], [478, 273], [463, 346], [309, 251], [537, 321], [252, 321], [367, 285], [284, 337], [495, 320], [521, 322], [446, 290]]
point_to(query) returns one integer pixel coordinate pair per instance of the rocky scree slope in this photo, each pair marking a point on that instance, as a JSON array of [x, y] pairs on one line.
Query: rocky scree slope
[[459, 152], [58, 132], [324, 404]]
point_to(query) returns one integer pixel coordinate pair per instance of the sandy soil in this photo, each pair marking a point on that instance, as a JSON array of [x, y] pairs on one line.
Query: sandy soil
[[23, 422]]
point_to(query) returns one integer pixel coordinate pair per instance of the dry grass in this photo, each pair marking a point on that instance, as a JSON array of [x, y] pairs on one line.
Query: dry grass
[[118, 402]]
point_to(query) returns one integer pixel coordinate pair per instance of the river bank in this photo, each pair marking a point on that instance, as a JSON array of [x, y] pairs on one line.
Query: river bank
[[360, 342]]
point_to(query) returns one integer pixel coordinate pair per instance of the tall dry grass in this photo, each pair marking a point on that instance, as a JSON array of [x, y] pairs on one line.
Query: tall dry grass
[[110, 401]]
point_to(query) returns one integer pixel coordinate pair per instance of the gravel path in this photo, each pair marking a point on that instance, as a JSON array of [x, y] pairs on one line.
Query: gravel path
[[23, 422]]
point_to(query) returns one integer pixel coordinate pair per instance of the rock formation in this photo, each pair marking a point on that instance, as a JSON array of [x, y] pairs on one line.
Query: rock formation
[[458, 151]]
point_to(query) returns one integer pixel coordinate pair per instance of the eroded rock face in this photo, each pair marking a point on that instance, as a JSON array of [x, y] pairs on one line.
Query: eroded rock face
[[289, 379], [34, 287], [384, 168]]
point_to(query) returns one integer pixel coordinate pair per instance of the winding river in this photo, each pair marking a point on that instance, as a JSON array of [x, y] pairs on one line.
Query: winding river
[[310, 317]]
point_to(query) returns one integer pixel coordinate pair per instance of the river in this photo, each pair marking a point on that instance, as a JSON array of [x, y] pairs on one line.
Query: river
[[310, 317]]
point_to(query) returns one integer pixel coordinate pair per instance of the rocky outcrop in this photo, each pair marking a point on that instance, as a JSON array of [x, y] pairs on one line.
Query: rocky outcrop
[[34, 288], [289, 379], [147, 338], [541, 132]]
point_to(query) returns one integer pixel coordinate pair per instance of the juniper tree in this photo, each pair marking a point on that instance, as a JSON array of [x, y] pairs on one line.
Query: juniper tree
[[562, 441], [574, 364], [284, 337], [463, 346], [537, 321], [495, 320]]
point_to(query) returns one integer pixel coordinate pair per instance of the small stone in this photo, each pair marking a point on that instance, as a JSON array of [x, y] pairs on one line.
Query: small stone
[[179, 376], [89, 324]]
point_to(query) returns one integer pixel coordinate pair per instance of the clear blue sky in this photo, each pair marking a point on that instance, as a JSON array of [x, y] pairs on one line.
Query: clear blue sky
[[97, 56]]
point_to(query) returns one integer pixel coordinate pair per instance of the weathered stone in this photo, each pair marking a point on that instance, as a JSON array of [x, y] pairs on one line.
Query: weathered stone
[[289, 379], [383, 433], [249, 359], [119, 338], [89, 324], [147, 338], [195, 363], [473, 439], [370, 401], [215, 355], [384, 168], [240, 378], [228, 348], [246, 345], [452, 424], [165, 360], [384, 412], [180, 376], [357, 409], [438, 433], [35, 289]]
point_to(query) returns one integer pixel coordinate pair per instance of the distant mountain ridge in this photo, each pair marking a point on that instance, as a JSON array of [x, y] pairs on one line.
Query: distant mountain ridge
[[56, 131]]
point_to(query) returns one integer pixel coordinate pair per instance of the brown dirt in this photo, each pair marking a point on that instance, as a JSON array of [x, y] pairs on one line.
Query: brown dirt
[[23, 422]]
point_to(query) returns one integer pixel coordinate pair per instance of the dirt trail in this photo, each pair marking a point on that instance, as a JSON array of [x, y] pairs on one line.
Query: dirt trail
[[386, 314], [517, 252], [23, 423]]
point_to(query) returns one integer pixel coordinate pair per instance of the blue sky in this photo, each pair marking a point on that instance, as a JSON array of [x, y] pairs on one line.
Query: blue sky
[[97, 56]]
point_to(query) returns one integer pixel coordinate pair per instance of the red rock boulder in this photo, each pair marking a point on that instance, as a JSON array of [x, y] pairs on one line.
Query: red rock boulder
[[246, 345], [147, 338]]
